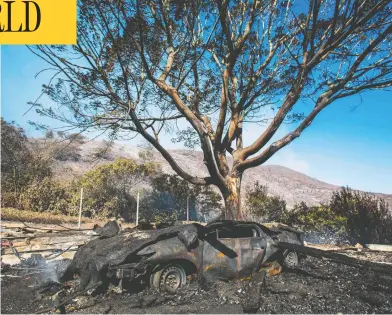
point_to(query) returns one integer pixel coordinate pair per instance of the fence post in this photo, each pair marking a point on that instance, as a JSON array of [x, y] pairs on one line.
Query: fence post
[[80, 206], [187, 209], [137, 210]]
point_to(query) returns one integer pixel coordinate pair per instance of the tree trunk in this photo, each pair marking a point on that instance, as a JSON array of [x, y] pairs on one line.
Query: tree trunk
[[232, 197]]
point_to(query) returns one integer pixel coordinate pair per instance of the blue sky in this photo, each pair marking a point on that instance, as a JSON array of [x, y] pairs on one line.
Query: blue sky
[[350, 143]]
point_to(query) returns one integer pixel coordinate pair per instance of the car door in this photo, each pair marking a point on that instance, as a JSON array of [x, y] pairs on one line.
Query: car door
[[213, 256], [233, 253]]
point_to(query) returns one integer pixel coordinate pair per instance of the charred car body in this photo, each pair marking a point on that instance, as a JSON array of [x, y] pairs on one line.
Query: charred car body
[[221, 250]]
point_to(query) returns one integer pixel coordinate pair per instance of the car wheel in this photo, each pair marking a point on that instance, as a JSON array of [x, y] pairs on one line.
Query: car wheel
[[169, 279], [290, 260]]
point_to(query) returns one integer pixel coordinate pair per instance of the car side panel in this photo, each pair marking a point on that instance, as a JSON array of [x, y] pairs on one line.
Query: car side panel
[[250, 252], [174, 249], [231, 258], [213, 260]]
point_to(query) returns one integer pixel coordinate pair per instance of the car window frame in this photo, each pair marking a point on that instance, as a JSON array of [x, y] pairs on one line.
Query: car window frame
[[251, 226]]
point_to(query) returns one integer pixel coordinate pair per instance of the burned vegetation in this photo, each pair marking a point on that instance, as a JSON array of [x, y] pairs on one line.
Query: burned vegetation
[[223, 267]]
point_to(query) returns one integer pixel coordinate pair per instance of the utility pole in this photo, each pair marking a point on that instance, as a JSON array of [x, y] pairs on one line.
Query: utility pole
[[80, 206]]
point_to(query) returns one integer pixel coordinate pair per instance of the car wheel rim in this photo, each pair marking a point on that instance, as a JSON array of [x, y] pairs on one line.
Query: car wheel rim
[[171, 279], [291, 260]]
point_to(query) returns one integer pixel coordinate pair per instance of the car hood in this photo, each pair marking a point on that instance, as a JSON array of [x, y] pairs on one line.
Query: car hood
[[102, 253]]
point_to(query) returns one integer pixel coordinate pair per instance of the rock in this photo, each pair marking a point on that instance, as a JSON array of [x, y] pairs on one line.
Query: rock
[[110, 229], [359, 246]]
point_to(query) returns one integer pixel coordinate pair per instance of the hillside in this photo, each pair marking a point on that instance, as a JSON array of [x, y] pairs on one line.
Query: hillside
[[293, 186]]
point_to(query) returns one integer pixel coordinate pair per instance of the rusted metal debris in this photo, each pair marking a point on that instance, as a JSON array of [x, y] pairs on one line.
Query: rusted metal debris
[[61, 304]]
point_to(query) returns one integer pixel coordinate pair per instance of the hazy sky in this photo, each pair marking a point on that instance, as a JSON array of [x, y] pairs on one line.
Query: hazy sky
[[350, 143]]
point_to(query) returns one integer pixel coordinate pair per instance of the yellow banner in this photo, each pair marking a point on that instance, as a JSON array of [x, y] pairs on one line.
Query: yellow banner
[[38, 22]]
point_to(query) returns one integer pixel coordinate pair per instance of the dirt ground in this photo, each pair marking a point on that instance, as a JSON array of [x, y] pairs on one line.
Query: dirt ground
[[317, 286]]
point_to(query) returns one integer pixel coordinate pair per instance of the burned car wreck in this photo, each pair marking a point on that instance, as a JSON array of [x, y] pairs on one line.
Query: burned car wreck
[[221, 250]]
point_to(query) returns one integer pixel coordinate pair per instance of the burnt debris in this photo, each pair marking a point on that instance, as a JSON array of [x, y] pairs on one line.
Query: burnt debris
[[101, 254], [110, 229], [117, 274]]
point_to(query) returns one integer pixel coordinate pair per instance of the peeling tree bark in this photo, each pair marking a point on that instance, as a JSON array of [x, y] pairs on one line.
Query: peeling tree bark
[[232, 197]]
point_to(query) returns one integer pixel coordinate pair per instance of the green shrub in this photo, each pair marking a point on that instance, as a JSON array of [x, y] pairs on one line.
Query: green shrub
[[47, 195], [263, 207], [10, 199], [165, 217], [20, 165], [169, 199], [319, 223], [110, 189]]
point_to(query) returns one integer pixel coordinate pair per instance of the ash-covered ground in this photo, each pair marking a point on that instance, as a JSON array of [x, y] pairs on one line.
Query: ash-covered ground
[[318, 286]]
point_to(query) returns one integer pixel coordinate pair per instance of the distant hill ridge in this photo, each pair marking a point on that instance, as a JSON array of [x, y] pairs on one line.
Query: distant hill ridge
[[291, 185]]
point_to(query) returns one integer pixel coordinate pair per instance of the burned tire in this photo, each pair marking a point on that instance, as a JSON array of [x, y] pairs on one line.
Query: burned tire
[[170, 278], [290, 259]]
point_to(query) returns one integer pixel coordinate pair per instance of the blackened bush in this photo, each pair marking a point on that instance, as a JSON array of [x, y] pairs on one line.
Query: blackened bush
[[369, 219], [350, 215]]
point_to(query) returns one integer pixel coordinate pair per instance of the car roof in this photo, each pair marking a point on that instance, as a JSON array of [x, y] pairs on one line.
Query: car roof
[[268, 227], [227, 224]]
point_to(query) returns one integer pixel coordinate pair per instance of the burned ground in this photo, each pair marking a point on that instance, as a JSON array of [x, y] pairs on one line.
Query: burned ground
[[318, 286]]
